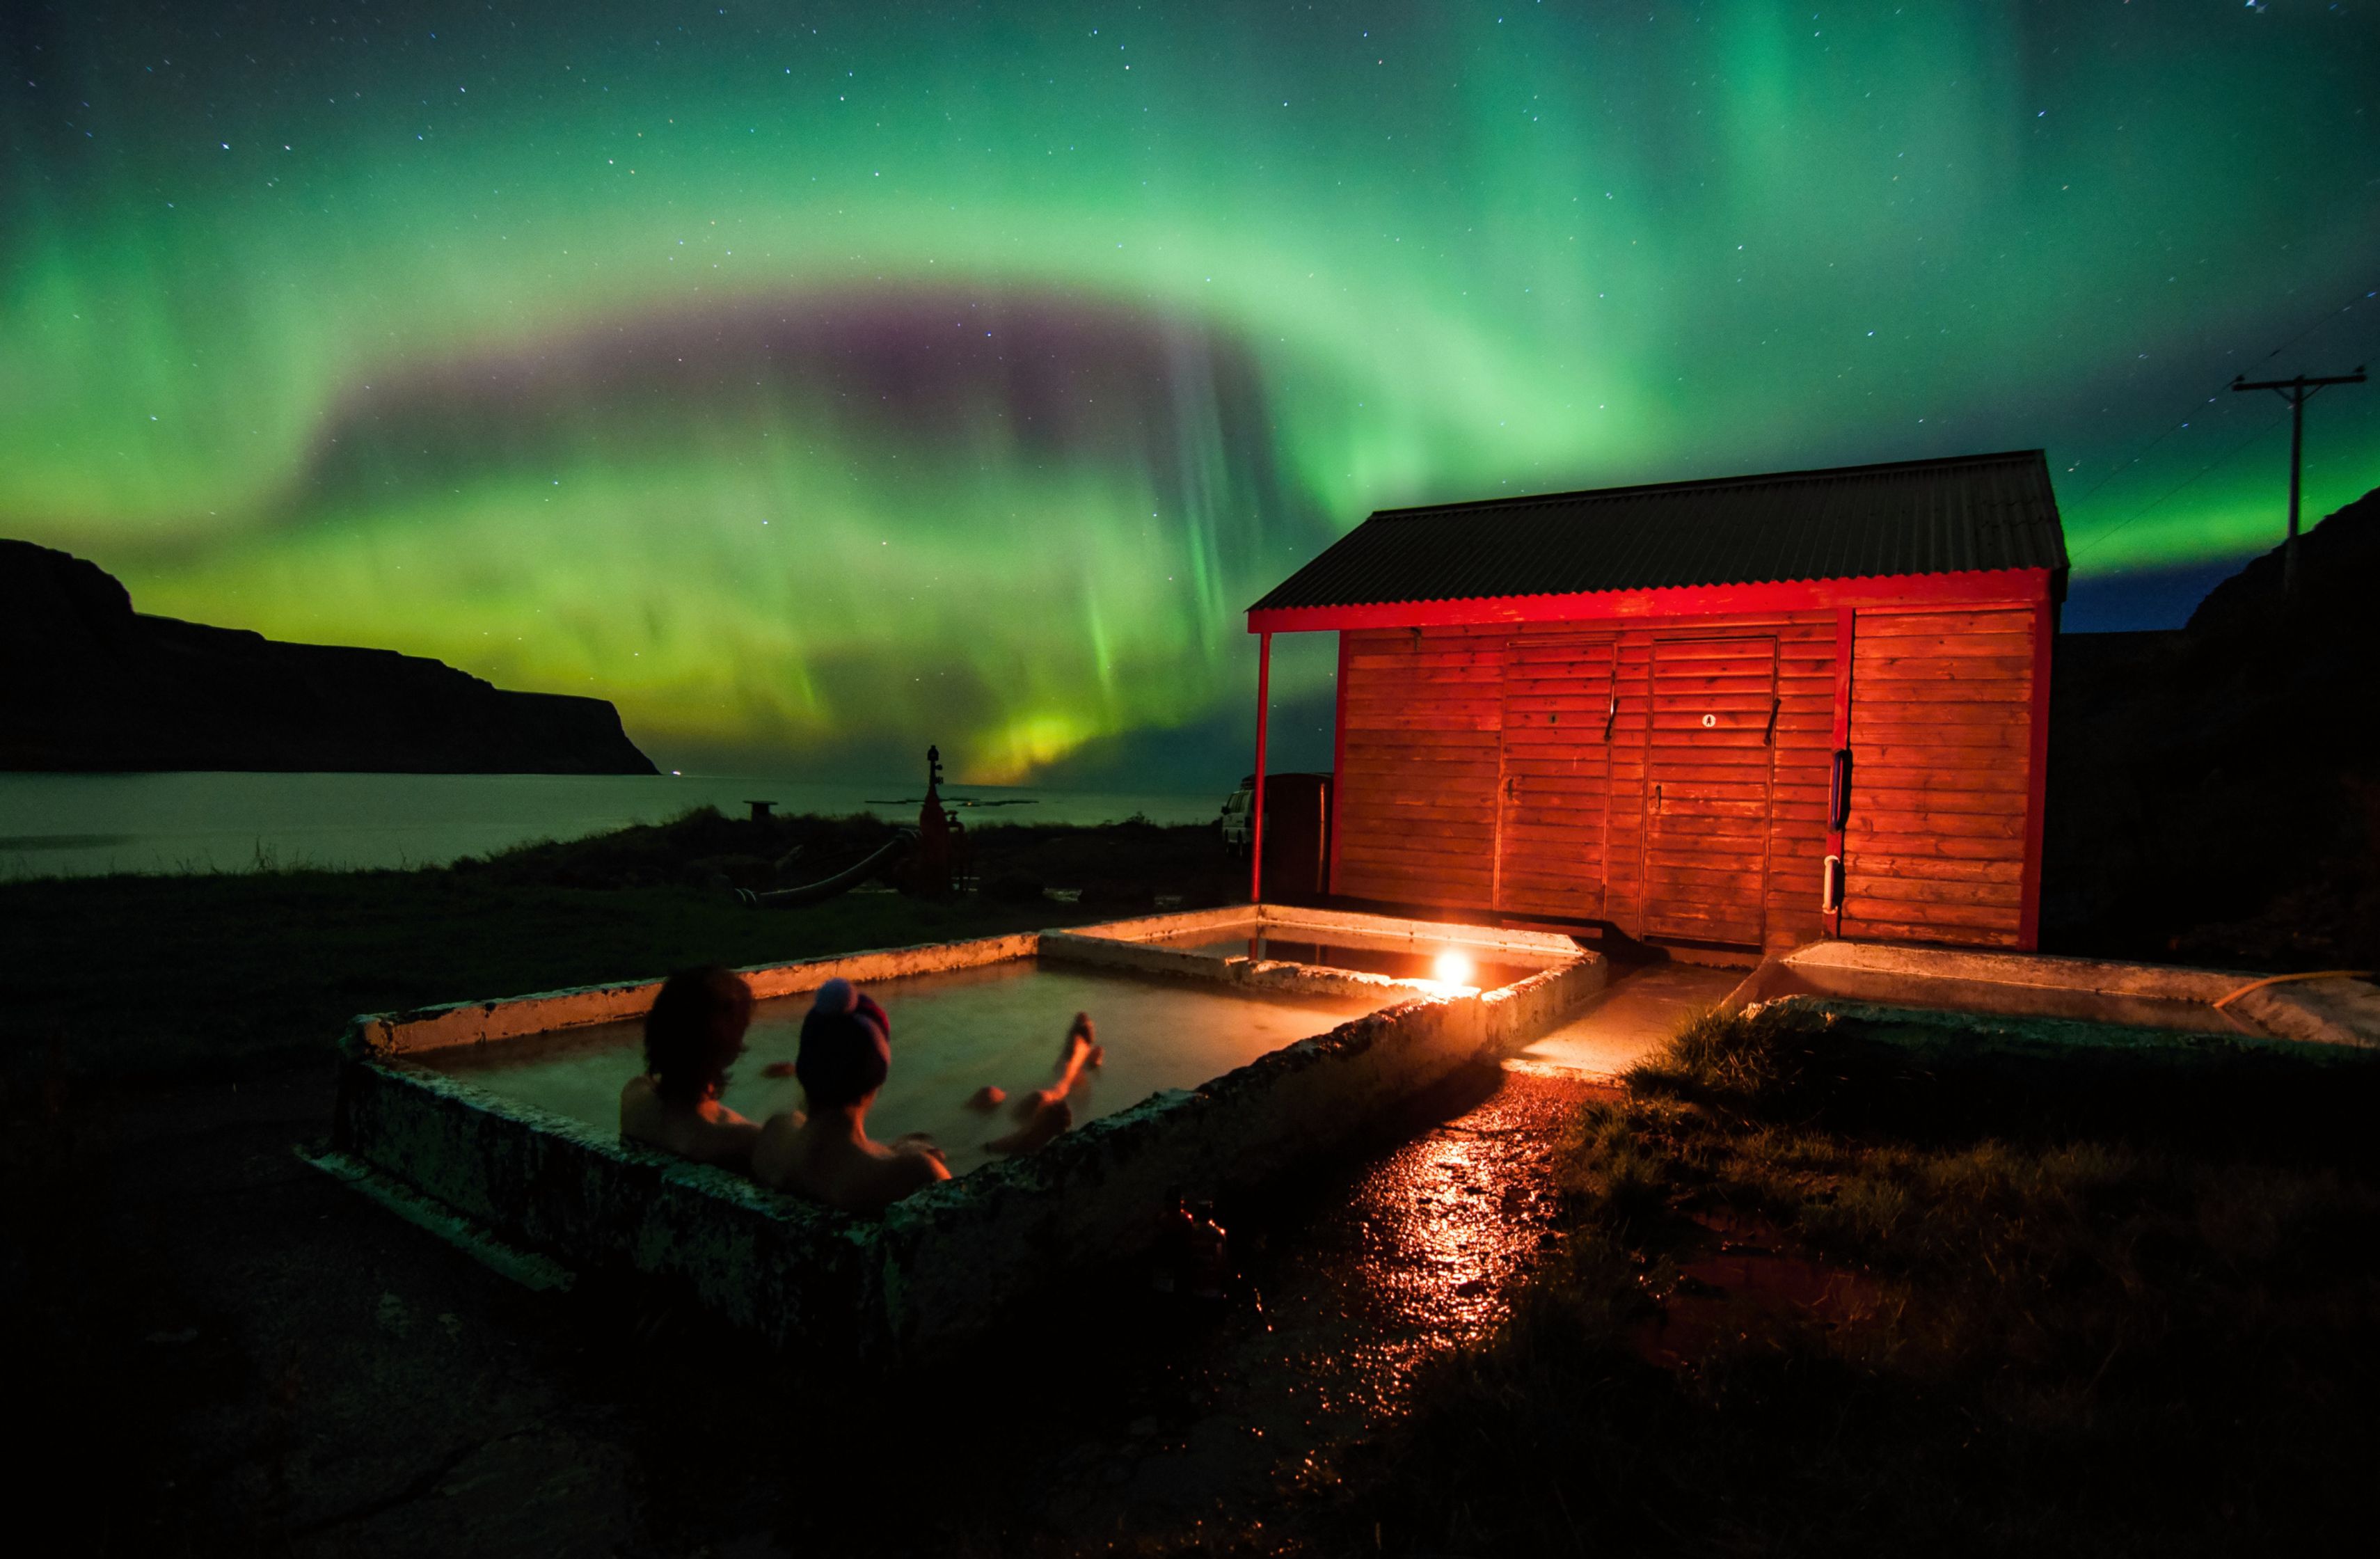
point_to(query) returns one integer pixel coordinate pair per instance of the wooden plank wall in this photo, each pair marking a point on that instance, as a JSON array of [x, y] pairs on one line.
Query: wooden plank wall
[[1552, 813], [1424, 717], [1423, 708], [1941, 775], [1710, 760]]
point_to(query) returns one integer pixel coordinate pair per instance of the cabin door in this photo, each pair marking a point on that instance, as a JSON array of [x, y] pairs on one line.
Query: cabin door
[[1554, 779], [1708, 754]]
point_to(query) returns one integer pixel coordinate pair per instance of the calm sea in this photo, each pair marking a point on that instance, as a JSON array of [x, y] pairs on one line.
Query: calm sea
[[66, 825]]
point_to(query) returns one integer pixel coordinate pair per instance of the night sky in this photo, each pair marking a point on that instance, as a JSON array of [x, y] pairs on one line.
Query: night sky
[[816, 382]]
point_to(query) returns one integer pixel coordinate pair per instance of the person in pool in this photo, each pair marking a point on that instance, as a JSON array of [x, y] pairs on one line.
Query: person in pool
[[1043, 1112], [693, 1035], [846, 1054]]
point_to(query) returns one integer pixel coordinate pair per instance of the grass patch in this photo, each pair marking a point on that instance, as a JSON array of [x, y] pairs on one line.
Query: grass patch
[[159, 977], [1742, 1058], [156, 977], [2120, 1304]]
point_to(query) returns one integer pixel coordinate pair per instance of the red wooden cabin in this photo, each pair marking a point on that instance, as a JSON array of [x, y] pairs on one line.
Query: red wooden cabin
[[1746, 712]]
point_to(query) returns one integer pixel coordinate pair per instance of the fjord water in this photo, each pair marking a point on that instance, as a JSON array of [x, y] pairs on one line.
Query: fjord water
[[952, 1034], [71, 826]]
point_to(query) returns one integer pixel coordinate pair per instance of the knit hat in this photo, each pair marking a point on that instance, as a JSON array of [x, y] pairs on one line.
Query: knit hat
[[846, 1050]]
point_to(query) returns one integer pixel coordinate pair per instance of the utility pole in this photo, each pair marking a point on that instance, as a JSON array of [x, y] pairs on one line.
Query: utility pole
[[2297, 392]]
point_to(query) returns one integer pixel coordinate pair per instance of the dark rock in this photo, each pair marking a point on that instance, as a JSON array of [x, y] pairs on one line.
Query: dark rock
[[86, 682], [2213, 793]]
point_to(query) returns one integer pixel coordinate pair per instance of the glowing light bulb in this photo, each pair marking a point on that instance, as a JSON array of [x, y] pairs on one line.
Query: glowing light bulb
[[1453, 968]]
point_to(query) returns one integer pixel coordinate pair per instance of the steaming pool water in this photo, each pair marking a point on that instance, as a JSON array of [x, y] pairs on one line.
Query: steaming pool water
[[952, 1033]]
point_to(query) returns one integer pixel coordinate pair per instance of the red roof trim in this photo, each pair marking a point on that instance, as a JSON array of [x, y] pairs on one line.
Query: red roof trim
[[1668, 601]]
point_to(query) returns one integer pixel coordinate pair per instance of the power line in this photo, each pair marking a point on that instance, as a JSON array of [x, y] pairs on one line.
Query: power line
[[2297, 392], [2126, 465], [2219, 461]]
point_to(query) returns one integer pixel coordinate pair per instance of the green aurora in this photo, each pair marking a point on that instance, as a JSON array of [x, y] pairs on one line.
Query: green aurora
[[818, 382]]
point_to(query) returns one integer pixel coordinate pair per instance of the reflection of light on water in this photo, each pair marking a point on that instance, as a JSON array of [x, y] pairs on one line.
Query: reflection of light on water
[[1451, 975], [1448, 1243], [1449, 1220], [1441, 1229]]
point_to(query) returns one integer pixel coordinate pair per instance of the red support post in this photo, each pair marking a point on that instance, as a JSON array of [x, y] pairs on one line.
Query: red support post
[[1256, 823], [1338, 765]]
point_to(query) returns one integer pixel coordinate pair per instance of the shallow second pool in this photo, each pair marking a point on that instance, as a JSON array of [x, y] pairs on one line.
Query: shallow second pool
[[1401, 957], [2000, 999], [952, 1034]]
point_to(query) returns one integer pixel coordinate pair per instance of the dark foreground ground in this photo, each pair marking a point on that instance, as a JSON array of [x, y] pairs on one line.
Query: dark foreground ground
[[1791, 1292], [237, 1354]]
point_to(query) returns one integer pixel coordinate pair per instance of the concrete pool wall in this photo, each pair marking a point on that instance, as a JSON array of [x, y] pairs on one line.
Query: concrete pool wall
[[2329, 1010], [941, 1265]]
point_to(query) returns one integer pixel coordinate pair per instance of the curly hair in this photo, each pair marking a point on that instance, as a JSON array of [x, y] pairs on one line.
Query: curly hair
[[694, 1030]]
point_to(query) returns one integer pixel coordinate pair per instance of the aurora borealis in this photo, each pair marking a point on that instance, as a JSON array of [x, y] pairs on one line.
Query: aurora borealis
[[816, 382]]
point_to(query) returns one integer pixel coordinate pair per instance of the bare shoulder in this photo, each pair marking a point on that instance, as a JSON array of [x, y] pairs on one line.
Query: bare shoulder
[[640, 1108], [713, 1136], [772, 1149], [913, 1171]]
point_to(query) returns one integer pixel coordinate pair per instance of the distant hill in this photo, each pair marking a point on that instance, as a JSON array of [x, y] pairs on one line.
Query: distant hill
[[86, 682], [2215, 791]]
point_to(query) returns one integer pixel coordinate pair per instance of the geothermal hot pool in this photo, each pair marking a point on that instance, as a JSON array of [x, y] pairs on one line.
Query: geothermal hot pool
[[497, 1122], [953, 1032]]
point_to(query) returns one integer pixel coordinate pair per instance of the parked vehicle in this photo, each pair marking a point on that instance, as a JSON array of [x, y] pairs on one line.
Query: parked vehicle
[[1239, 815], [1297, 829]]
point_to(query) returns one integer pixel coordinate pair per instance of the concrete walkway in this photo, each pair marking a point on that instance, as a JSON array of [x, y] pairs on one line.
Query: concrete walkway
[[1627, 1021]]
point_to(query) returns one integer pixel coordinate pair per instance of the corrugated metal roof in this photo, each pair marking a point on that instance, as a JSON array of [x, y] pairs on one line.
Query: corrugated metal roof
[[1914, 517]]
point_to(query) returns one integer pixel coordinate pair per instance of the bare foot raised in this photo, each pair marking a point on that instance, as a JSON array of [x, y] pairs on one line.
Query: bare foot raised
[[1081, 1046], [1051, 1117], [988, 1098], [1043, 1112]]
